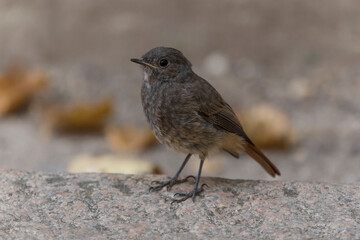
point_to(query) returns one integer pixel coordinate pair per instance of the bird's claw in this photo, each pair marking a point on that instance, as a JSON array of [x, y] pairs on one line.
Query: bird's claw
[[192, 194], [168, 183], [155, 182], [188, 177]]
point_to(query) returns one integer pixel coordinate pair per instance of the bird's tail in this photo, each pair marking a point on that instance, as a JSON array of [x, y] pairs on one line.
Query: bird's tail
[[234, 144]]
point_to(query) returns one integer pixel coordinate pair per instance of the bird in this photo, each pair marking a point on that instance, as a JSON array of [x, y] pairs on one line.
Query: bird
[[187, 114]]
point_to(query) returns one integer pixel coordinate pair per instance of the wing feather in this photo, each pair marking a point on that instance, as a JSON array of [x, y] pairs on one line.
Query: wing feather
[[217, 112]]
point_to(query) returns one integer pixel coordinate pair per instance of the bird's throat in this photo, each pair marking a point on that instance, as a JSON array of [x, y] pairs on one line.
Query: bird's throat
[[147, 80]]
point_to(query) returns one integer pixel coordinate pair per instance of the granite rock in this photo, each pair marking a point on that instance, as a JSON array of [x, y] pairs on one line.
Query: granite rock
[[38, 205]]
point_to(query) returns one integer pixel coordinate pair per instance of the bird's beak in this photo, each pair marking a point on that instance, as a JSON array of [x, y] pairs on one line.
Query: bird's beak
[[142, 62]]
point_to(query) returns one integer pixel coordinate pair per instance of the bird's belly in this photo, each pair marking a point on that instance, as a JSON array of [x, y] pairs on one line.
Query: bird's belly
[[187, 133]]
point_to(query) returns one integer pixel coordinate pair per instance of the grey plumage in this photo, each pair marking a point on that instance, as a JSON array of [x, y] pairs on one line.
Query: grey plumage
[[188, 115]]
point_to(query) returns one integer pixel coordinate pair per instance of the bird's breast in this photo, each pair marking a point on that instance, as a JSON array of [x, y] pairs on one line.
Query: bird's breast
[[174, 120]]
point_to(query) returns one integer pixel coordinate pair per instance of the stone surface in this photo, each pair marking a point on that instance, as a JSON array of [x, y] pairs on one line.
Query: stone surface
[[301, 56], [108, 206]]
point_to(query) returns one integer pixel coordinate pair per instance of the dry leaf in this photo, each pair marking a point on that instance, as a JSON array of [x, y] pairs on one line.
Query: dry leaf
[[112, 164], [81, 117], [267, 126], [129, 138], [17, 87]]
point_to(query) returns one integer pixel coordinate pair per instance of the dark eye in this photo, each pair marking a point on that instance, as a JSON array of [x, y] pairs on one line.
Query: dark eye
[[163, 62]]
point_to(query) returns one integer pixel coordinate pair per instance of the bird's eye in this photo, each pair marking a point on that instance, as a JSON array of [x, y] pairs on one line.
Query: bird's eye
[[163, 62]]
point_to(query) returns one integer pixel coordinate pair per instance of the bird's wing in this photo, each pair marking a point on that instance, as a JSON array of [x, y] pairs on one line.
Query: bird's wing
[[221, 115], [216, 111]]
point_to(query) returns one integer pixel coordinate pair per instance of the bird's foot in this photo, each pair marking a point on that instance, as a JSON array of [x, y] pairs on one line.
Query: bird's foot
[[160, 184], [192, 194]]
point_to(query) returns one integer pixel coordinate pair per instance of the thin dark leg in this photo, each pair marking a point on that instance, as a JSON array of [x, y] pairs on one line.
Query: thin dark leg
[[182, 166], [174, 180], [195, 191]]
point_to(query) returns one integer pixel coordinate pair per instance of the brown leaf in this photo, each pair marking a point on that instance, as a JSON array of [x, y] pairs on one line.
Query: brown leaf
[[81, 117], [17, 87], [129, 138]]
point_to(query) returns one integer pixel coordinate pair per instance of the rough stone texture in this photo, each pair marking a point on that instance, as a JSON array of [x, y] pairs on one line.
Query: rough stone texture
[[108, 206], [301, 56]]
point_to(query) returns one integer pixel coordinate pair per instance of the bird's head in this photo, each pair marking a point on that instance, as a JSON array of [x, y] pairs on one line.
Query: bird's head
[[164, 64]]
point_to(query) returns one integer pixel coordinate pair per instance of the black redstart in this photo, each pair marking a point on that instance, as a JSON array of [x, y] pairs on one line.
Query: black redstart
[[187, 114]]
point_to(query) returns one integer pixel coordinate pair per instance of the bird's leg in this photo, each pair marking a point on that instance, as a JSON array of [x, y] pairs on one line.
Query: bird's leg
[[195, 191], [174, 180]]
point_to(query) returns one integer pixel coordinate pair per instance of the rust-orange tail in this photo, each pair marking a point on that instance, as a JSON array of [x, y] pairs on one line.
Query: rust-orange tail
[[256, 154], [233, 144]]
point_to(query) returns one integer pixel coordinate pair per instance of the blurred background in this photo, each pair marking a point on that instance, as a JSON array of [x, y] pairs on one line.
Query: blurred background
[[70, 97]]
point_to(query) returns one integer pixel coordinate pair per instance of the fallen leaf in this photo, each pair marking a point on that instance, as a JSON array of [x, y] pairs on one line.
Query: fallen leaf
[[80, 117], [17, 87], [129, 138]]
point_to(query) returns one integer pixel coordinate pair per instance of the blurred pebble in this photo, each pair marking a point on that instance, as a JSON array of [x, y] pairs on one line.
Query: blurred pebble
[[300, 89], [267, 126], [212, 166], [112, 164], [216, 64]]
